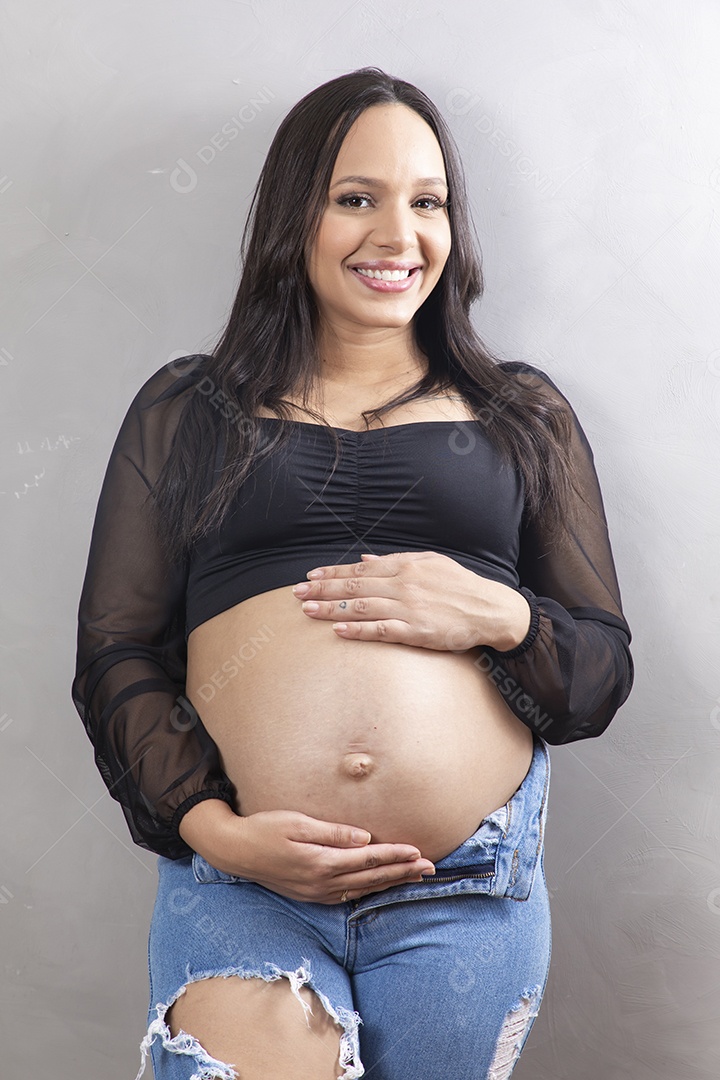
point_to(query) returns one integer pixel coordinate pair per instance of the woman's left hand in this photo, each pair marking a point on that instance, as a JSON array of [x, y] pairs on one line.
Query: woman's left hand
[[416, 598]]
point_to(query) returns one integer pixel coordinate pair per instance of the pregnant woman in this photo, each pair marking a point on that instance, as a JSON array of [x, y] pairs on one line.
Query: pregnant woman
[[349, 575]]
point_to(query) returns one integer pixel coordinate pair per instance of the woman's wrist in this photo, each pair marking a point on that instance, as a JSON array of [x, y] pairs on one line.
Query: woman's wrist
[[503, 616], [532, 632], [204, 824], [516, 624]]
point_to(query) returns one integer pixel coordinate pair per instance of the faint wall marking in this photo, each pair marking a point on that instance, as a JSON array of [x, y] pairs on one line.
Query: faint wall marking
[[184, 178]]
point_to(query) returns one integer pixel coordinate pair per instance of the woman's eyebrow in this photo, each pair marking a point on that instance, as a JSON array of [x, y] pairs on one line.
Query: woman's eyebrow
[[369, 181]]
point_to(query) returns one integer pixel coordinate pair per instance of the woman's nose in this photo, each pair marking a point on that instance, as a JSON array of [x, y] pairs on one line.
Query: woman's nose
[[394, 227]]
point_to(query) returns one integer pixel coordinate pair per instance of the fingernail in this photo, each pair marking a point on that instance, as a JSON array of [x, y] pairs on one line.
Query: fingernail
[[360, 836], [428, 873]]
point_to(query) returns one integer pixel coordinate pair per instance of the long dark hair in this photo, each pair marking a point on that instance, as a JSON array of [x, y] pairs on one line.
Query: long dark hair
[[269, 347]]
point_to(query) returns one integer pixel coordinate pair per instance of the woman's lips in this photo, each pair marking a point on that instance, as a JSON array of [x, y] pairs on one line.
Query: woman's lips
[[387, 286]]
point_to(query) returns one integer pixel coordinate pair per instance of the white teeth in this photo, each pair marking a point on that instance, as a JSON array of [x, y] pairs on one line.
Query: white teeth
[[384, 275]]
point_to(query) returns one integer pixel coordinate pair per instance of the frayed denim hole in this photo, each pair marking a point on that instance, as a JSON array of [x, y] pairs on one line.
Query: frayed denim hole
[[514, 1032], [212, 1069]]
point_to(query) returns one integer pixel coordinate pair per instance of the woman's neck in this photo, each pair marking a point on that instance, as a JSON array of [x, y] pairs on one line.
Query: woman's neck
[[374, 361]]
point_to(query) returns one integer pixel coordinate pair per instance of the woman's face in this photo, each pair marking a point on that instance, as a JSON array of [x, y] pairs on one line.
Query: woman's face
[[385, 214]]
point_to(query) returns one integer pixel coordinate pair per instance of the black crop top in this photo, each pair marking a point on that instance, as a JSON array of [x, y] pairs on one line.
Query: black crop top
[[428, 486], [409, 487]]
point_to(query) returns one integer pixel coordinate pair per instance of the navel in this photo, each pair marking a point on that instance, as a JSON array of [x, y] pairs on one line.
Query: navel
[[356, 765]]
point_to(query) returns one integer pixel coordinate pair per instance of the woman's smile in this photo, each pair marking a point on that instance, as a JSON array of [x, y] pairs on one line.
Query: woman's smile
[[386, 276]]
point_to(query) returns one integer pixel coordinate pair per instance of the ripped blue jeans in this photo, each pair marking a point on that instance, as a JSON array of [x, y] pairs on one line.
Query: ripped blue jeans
[[439, 978]]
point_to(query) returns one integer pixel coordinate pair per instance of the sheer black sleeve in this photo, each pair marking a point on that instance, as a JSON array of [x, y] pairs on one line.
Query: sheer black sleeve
[[574, 670], [151, 748]]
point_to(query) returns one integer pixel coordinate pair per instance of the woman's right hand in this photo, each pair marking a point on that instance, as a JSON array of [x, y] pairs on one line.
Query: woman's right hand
[[305, 858]]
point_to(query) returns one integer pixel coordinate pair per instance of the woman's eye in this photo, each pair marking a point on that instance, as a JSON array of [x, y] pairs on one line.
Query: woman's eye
[[353, 201], [432, 202]]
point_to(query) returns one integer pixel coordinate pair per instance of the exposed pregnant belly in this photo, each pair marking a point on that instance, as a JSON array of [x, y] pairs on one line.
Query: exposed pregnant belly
[[416, 746]]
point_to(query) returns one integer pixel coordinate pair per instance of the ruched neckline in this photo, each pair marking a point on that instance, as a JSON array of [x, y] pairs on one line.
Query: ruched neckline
[[365, 431]]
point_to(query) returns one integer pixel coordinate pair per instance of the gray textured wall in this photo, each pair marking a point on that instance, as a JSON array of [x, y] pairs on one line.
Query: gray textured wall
[[591, 137]]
